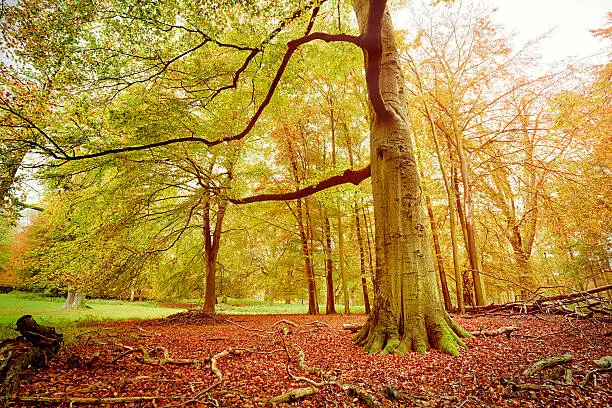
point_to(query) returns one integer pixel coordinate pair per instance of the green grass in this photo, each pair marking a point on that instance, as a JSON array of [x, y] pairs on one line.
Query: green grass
[[250, 306], [47, 311]]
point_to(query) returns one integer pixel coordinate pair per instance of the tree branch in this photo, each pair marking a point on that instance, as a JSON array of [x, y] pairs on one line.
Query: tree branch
[[292, 46], [349, 176], [372, 46]]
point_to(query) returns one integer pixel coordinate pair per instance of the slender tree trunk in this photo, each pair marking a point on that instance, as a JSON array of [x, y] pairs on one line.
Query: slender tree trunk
[[452, 209], [212, 242], [472, 242], [212, 238], [364, 282], [312, 301], [408, 313], [310, 239], [369, 239], [330, 307], [345, 293], [448, 305]]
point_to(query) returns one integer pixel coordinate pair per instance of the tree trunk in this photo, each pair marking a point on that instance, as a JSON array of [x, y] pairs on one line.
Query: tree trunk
[[313, 308], [347, 309], [330, 306], [212, 241], [470, 228], [452, 209], [448, 305], [312, 301], [364, 282], [408, 313], [74, 300]]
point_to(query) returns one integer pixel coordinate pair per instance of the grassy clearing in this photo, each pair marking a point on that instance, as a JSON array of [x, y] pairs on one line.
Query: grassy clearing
[[47, 311]]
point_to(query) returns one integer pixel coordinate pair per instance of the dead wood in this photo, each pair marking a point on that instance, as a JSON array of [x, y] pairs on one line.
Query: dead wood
[[577, 295], [92, 400], [166, 359], [285, 321], [352, 327], [557, 304], [547, 363], [34, 348], [605, 366], [507, 330], [527, 386], [361, 393], [293, 395]]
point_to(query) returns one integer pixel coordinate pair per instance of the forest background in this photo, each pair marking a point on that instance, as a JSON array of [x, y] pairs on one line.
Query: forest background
[[514, 159]]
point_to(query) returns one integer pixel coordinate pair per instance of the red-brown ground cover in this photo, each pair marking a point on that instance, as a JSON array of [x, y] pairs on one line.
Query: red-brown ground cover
[[92, 367]]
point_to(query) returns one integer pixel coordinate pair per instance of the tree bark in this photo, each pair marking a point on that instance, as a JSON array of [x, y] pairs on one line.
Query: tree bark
[[408, 313]]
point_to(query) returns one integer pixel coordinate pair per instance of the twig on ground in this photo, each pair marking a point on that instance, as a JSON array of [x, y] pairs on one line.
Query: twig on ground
[[507, 330], [248, 328]]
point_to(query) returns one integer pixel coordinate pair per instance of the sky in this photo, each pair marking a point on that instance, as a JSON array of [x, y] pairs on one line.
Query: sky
[[570, 20]]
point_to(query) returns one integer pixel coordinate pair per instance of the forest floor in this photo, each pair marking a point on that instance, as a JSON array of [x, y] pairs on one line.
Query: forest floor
[[106, 362]]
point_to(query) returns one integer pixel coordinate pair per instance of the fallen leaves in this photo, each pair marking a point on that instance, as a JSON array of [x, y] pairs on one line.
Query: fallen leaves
[[263, 371]]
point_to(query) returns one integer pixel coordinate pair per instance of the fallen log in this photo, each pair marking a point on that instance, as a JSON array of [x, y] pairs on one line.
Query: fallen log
[[293, 395], [34, 348], [588, 305], [576, 295], [507, 330], [352, 327], [547, 363]]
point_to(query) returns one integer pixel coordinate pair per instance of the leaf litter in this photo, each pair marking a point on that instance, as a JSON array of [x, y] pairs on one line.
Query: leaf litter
[[255, 363]]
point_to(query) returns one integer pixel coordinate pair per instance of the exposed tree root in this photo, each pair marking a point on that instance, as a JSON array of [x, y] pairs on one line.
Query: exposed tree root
[[363, 395], [380, 334], [285, 321]]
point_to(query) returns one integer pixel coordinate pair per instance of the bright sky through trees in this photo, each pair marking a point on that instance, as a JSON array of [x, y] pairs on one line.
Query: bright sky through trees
[[570, 21], [567, 22]]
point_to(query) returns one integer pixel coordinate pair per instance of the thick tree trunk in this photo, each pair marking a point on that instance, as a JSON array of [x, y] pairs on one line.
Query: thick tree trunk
[[408, 313], [330, 306]]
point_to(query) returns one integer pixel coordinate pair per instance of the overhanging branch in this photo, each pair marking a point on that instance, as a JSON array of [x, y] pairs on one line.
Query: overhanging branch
[[292, 46], [348, 176]]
